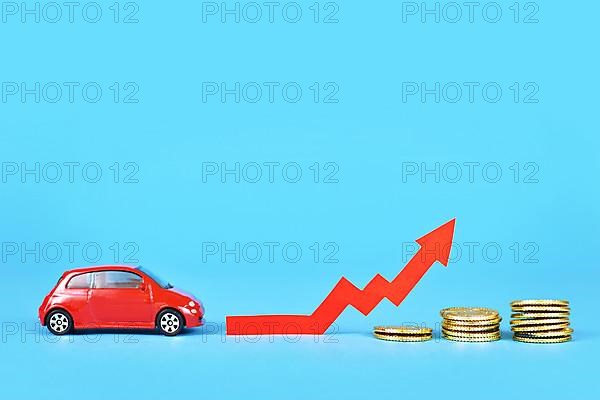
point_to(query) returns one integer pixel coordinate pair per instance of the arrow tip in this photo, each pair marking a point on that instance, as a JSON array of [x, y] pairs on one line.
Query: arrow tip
[[438, 242]]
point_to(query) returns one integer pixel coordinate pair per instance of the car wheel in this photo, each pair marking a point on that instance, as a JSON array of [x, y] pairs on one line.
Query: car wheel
[[169, 322], [59, 322]]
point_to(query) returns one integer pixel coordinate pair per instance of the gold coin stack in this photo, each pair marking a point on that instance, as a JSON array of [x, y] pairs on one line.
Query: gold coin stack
[[403, 333], [540, 321], [470, 324]]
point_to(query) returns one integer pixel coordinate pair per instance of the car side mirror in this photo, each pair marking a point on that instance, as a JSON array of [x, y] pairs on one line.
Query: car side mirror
[[143, 286]]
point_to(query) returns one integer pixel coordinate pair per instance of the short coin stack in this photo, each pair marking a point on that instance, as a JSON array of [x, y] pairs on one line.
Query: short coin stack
[[470, 324], [403, 333], [540, 321]]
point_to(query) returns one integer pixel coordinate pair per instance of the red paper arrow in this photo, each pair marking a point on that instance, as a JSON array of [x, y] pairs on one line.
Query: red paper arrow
[[435, 246]]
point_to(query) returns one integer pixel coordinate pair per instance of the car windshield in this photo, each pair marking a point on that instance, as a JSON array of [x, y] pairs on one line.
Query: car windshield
[[161, 282]]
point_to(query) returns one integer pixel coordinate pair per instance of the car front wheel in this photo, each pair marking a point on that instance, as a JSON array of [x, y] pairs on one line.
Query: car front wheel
[[169, 322], [59, 322]]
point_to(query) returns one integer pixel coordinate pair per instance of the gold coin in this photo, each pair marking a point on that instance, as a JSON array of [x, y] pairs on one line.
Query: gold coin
[[494, 321], [547, 334], [472, 338], [549, 321], [403, 338], [470, 334], [405, 330], [542, 340], [540, 315], [470, 328], [469, 314], [539, 328], [541, 302], [540, 309]]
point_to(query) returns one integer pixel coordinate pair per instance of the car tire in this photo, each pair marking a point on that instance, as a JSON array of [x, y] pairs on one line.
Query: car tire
[[59, 322], [169, 322]]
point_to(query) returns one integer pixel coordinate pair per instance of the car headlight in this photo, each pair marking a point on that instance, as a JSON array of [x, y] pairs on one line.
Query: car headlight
[[191, 304]]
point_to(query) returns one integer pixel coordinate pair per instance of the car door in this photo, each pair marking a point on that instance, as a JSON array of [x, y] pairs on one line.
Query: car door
[[120, 298], [77, 291]]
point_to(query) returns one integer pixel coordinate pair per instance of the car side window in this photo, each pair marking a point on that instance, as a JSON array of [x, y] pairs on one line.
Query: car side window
[[117, 280], [82, 281]]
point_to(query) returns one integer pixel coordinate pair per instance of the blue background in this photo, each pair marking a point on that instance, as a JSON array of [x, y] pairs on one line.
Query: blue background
[[371, 214]]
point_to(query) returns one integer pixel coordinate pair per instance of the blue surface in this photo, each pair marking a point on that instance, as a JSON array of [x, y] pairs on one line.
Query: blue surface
[[166, 210]]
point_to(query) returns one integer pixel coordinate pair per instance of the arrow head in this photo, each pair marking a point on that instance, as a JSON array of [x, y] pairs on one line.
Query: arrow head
[[438, 242]]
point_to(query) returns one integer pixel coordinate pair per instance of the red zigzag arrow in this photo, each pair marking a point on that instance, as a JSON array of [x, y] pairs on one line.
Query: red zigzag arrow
[[435, 246]]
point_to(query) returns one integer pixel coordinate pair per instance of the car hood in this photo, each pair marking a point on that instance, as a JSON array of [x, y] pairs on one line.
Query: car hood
[[183, 293]]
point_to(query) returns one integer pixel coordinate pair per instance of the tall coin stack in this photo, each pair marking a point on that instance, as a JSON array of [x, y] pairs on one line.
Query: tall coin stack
[[470, 324], [541, 321]]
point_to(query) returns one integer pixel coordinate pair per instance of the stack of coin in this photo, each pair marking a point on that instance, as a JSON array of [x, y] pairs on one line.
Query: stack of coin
[[470, 324], [540, 321], [403, 333]]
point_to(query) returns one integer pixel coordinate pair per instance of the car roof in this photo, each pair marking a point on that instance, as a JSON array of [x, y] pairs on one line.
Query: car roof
[[102, 268]]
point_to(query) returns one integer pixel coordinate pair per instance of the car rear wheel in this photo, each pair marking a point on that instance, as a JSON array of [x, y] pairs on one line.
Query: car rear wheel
[[169, 322], [59, 322]]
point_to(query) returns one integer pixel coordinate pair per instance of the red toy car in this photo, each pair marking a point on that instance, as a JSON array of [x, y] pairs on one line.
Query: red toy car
[[118, 297]]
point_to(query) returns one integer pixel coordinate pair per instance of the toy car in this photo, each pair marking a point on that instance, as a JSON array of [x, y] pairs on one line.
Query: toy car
[[118, 297]]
